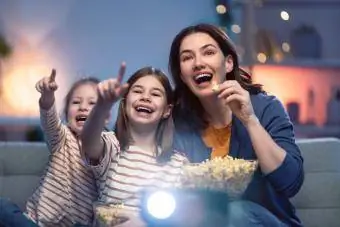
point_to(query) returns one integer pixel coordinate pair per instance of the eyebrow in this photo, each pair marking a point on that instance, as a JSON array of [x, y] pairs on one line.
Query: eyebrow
[[154, 88], [203, 47]]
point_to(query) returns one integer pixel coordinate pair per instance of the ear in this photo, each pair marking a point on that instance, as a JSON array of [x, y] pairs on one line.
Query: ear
[[229, 63], [167, 111]]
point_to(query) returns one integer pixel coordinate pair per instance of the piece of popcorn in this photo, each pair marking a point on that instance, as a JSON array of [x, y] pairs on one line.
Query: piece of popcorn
[[215, 87]]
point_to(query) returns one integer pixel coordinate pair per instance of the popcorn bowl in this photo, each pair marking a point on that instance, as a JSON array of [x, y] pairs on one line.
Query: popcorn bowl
[[108, 215], [228, 174]]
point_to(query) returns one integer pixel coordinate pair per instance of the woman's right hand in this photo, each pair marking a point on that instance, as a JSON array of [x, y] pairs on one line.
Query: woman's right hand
[[46, 87], [111, 90]]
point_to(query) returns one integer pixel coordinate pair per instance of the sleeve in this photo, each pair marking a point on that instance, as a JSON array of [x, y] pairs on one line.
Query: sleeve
[[111, 149], [288, 177], [54, 130]]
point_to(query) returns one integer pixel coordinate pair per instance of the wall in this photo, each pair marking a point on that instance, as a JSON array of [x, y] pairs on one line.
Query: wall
[[83, 37]]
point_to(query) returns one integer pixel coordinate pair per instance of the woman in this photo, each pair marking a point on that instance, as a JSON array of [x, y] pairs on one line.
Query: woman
[[220, 112]]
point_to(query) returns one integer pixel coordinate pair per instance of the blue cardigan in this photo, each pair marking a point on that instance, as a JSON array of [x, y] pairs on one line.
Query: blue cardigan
[[273, 190]]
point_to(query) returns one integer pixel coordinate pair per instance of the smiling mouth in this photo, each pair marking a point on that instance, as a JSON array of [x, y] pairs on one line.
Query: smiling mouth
[[202, 78], [143, 109], [81, 118]]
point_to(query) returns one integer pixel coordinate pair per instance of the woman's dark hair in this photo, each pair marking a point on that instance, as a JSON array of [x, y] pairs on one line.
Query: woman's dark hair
[[164, 133], [186, 103]]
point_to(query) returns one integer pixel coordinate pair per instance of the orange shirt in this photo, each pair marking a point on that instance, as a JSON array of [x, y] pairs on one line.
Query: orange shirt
[[218, 140]]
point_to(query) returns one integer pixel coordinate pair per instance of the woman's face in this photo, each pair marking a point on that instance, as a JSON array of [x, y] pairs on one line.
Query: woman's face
[[202, 63]]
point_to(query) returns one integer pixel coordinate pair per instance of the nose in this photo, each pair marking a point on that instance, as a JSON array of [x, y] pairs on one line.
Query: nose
[[146, 97], [83, 106], [198, 63]]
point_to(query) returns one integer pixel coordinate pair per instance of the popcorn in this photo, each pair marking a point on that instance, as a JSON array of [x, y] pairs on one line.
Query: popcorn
[[107, 215], [222, 174], [215, 87]]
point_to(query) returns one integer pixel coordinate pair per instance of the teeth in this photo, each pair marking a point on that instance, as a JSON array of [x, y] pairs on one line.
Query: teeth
[[202, 75], [140, 108], [81, 118]]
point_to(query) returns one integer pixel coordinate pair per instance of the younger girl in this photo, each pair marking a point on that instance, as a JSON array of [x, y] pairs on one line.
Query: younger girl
[[130, 159], [68, 189]]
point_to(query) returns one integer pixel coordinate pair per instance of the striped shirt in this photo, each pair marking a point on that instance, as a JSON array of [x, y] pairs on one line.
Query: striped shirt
[[68, 189], [122, 174]]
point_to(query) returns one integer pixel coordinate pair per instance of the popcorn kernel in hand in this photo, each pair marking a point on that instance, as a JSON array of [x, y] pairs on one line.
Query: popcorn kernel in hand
[[215, 87]]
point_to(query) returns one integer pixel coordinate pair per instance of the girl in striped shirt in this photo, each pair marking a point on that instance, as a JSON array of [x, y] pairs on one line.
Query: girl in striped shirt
[[139, 153], [68, 188]]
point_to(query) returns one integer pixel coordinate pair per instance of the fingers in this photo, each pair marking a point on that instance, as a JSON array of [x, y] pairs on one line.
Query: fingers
[[235, 97], [225, 85], [113, 84], [227, 92], [52, 76], [121, 72], [42, 85], [101, 89], [53, 86], [228, 88], [230, 91], [111, 90], [38, 86], [124, 89], [47, 84]]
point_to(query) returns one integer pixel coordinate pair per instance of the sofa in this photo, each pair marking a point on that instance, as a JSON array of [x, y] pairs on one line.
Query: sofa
[[318, 202]]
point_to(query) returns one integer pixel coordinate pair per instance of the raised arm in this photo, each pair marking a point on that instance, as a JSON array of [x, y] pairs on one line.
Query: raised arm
[[272, 139], [50, 122], [109, 92]]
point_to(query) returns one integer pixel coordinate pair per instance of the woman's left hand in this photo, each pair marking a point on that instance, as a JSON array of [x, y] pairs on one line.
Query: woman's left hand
[[238, 99]]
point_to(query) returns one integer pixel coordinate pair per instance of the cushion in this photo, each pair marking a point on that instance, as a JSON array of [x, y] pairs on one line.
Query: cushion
[[325, 217], [320, 190]]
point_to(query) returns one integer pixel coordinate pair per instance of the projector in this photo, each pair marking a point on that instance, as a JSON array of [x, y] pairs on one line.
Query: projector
[[184, 208]]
